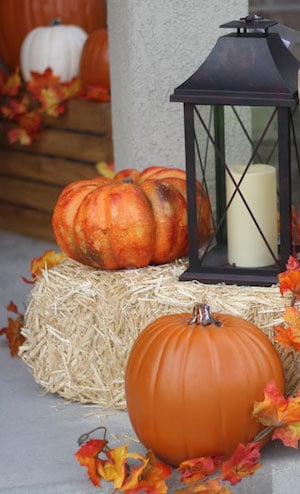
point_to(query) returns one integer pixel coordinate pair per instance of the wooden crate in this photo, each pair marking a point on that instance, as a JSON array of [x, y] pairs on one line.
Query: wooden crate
[[31, 177]]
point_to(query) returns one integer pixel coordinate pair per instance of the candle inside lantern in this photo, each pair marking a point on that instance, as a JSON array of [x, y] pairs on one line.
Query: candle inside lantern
[[246, 246]]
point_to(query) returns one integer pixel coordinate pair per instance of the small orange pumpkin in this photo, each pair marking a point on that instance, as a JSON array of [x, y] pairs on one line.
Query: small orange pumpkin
[[130, 221], [94, 63], [191, 384]]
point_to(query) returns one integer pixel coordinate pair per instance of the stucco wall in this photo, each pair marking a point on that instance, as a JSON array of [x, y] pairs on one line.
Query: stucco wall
[[154, 46]]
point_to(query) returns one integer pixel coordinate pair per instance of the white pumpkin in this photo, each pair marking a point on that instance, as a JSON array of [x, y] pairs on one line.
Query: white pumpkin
[[57, 46]]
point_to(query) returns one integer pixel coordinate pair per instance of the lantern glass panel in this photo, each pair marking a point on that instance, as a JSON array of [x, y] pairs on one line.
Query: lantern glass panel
[[230, 136]]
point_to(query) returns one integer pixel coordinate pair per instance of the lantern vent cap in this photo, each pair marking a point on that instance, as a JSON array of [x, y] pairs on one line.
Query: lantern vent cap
[[251, 68]]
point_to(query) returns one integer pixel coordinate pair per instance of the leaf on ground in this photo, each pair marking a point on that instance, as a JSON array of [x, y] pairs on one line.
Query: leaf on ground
[[87, 456], [280, 413], [13, 330], [242, 463], [198, 468]]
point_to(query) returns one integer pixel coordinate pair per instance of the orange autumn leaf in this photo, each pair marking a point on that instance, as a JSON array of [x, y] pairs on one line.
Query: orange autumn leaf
[[39, 81], [286, 337], [12, 84], [19, 135], [280, 413], [151, 478], [105, 169], [51, 93], [52, 101], [13, 330], [213, 486], [135, 473], [87, 456], [48, 260], [289, 281], [72, 88], [289, 337], [242, 463], [114, 468], [197, 468]]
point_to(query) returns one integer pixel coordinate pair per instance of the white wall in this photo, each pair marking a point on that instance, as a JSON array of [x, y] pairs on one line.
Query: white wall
[[154, 46]]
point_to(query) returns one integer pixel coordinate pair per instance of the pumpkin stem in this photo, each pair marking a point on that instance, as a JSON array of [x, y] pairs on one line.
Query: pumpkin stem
[[56, 21], [203, 316], [84, 437]]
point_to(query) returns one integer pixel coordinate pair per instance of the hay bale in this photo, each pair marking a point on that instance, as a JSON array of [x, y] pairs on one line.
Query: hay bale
[[80, 323]]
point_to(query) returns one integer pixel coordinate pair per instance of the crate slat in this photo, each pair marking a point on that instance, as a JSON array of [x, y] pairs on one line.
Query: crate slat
[[65, 144], [30, 222], [45, 169], [84, 115], [26, 193]]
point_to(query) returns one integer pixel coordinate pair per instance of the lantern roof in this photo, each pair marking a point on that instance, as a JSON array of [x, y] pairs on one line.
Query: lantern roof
[[249, 67]]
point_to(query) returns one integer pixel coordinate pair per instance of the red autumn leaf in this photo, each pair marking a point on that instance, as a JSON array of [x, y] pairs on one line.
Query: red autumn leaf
[[26, 132], [2, 79], [296, 225], [281, 414], [198, 468], [14, 108], [95, 93], [87, 455], [12, 307], [31, 122], [13, 330], [293, 264], [242, 463]]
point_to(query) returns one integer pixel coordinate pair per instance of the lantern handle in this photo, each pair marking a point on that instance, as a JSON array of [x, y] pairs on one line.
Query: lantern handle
[[202, 315]]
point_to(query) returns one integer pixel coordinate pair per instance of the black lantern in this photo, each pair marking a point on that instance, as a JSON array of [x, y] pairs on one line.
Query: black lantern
[[242, 101]]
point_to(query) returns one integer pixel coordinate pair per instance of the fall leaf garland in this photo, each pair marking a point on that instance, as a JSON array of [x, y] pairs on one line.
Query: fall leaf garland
[[135, 473], [206, 474], [24, 103]]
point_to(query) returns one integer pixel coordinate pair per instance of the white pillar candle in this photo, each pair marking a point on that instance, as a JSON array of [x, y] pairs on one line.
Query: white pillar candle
[[246, 247]]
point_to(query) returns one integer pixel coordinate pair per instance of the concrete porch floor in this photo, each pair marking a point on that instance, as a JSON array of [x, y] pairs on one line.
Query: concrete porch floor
[[39, 431]]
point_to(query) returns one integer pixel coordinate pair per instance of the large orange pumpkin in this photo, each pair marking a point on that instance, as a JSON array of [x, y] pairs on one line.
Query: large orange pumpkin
[[19, 17], [94, 64], [133, 220], [190, 387]]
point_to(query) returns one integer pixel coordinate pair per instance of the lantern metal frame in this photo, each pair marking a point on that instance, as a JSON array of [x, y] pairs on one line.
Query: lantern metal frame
[[251, 67]]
